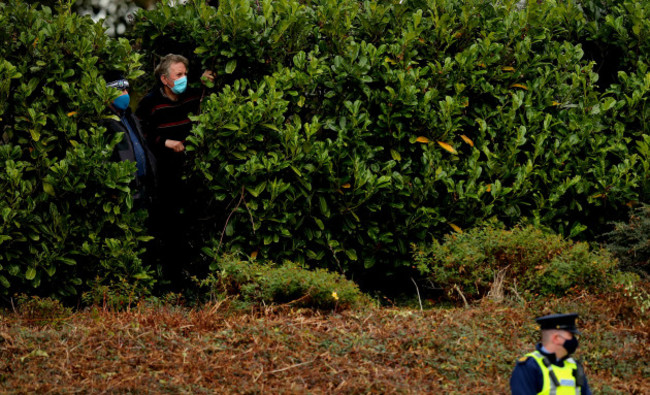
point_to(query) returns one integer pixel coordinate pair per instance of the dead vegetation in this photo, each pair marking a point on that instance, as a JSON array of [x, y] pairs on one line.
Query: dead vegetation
[[217, 349]]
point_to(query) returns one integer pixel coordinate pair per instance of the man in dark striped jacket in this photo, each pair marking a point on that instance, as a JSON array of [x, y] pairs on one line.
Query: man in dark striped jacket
[[164, 114]]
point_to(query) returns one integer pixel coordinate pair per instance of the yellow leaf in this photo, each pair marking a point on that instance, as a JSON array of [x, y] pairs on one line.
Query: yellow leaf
[[48, 188], [467, 140], [36, 135], [389, 60], [447, 147], [455, 227], [556, 103], [488, 188], [524, 87], [71, 113], [481, 65], [396, 155], [346, 185], [508, 68], [422, 139], [335, 296], [253, 254], [599, 195]]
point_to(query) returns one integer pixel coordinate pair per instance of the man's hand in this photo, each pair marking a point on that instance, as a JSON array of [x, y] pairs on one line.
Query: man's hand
[[175, 145], [207, 77]]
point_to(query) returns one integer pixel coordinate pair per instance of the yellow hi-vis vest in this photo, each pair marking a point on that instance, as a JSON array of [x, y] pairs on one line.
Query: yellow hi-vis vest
[[565, 376]]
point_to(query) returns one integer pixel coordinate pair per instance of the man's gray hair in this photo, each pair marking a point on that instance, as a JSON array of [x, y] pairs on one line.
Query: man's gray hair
[[166, 61]]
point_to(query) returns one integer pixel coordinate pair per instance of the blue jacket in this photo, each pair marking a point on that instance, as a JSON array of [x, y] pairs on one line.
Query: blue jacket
[[144, 188]]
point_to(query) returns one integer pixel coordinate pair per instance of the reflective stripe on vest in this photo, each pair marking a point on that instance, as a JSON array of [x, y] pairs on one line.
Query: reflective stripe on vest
[[564, 374]]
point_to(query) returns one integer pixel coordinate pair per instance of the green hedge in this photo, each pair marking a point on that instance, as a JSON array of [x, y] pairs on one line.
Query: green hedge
[[342, 131], [521, 261], [339, 133], [264, 283], [66, 218]]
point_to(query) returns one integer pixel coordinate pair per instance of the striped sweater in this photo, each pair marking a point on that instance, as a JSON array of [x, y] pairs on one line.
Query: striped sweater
[[164, 119]]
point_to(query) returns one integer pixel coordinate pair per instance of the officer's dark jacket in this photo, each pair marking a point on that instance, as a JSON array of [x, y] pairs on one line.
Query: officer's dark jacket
[[527, 377]]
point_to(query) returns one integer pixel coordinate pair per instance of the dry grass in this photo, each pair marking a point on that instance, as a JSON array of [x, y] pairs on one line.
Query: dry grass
[[285, 350]]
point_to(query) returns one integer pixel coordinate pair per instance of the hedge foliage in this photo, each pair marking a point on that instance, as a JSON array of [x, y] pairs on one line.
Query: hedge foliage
[[489, 261], [628, 242], [263, 283], [341, 131], [66, 218]]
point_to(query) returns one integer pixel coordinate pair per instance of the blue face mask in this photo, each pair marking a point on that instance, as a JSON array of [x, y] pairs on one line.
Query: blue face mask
[[179, 85], [122, 102]]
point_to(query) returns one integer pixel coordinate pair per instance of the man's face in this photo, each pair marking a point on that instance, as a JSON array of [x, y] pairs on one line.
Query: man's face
[[562, 336], [176, 71], [566, 343]]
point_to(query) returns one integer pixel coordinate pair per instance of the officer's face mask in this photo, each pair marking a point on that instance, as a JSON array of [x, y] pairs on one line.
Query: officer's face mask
[[570, 345]]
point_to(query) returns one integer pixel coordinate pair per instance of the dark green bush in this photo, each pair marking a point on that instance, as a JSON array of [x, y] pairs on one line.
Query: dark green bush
[[66, 217], [523, 260], [288, 283], [343, 131], [629, 242], [340, 132]]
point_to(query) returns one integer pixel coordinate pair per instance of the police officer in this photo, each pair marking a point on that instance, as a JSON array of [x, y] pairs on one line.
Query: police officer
[[550, 370]]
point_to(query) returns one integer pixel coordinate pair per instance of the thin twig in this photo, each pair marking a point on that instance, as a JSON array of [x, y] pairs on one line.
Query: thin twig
[[249, 212], [258, 375], [516, 293], [223, 232], [418, 291], [291, 367], [300, 299], [461, 294], [335, 258], [13, 307]]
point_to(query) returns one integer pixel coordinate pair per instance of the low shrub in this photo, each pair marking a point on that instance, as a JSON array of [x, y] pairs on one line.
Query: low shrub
[[287, 283], [640, 296], [491, 261], [41, 311], [630, 242], [115, 295]]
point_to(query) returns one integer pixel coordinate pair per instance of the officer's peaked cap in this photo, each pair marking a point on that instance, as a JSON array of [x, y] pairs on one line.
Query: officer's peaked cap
[[565, 322]]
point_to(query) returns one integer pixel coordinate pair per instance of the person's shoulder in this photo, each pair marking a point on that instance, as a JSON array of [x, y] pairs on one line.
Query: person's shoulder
[[151, 96], [526, 360], [527, 363], [148, 101], [112, 124], [130, 115], [193, 93], [526, 378], [523, 360]]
